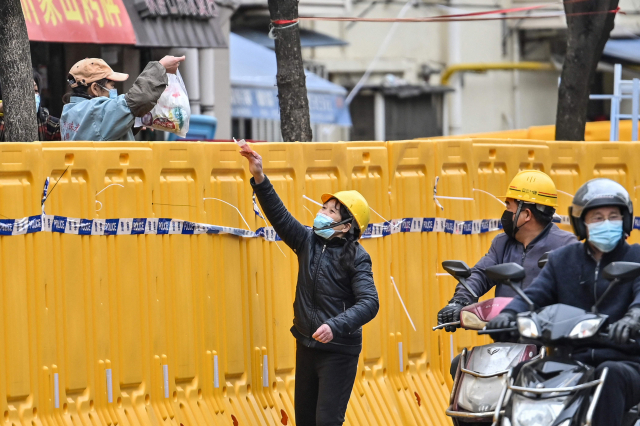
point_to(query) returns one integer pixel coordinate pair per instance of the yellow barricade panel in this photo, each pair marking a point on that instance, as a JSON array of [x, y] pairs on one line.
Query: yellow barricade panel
[[367, 168], [21, 172], [414, 266], [164, 329]]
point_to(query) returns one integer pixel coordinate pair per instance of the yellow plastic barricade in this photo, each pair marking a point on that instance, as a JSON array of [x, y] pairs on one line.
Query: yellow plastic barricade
[[415, 356], [373, 397], [113, 313]]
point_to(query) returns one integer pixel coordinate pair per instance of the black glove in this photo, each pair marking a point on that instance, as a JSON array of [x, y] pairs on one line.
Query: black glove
[[451, 313], [504, 319], [621, 331]]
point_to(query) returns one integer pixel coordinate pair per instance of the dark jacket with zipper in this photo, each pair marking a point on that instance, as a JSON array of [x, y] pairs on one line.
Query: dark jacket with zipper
[[573, 277], [505, 249], [325, 293]]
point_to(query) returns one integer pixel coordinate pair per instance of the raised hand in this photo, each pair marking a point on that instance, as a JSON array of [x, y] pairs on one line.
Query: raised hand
[[171, 63], [255, 162]]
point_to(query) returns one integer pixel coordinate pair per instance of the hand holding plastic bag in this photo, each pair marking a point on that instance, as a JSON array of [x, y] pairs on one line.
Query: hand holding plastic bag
[[172, 112]]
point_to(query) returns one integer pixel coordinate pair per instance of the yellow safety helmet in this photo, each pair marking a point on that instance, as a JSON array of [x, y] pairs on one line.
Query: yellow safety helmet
[[357, 206], [533, 186]]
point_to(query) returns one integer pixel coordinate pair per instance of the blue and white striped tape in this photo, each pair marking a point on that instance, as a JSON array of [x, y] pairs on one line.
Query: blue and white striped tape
[[161, 226]]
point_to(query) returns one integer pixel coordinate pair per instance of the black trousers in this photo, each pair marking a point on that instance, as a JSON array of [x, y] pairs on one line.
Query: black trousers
[[620, 393], [323, 386]]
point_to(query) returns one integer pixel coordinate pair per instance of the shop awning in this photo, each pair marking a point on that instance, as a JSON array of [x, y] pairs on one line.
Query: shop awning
[[254, 93], [75, 21], [308, 38], [160, 27], [626, 50]]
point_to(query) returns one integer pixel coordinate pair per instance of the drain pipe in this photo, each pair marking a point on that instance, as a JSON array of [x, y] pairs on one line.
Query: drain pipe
[[495, 66]]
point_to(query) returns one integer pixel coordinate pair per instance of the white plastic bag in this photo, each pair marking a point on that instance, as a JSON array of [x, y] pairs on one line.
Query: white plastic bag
[[172, 112]]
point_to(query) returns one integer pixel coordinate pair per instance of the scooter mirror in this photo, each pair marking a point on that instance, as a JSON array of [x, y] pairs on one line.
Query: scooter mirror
[[543, 260], [456, 268], [460, 271], [505, 272], [508, 273], [621, 270]]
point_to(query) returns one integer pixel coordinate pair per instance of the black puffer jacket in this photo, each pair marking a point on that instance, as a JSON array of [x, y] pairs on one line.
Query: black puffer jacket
[[325, 292]]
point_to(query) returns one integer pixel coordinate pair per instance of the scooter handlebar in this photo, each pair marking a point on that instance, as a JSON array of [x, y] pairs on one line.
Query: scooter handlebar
[[498, 330], [606, 335], [448, 324]]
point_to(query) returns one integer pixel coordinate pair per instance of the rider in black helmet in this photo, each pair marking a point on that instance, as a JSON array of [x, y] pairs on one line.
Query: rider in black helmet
[[601, 214]]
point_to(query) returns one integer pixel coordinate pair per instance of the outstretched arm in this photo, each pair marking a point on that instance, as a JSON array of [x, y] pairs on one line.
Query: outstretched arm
[[292, 232]]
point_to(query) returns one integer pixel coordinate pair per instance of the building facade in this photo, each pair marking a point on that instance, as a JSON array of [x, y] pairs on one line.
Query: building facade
[[425, 79]]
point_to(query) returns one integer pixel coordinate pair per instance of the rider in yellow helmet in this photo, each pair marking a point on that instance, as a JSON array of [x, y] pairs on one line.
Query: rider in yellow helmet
[[529, 232], [335, 295]]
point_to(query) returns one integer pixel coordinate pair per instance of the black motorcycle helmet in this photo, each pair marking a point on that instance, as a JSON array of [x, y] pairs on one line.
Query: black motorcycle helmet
[[598, 193]]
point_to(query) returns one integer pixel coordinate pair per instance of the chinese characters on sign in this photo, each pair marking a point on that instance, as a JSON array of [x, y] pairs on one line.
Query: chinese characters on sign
[[204, 9], [78, 21]]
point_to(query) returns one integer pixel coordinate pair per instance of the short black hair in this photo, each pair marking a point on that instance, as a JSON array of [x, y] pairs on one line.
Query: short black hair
[[37, 78], [542, 217]]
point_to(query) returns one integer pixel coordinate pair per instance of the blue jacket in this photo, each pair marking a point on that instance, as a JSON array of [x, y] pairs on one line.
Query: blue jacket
[[97, 119], [105, 119], [505, 249], [573, 277]]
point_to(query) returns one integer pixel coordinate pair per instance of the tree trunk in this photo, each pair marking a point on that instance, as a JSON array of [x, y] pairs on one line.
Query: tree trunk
[[295, 123], [589, 27], [16, 77]]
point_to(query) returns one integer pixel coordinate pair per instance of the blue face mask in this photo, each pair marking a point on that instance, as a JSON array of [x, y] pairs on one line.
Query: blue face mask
[[37, 102], [605, 235], [113, 93], [321, 221]]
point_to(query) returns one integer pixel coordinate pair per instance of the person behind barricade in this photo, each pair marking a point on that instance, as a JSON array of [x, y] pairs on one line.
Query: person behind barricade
[[601, 214], [95, 112], [48, 126], [529, 232], [335, 296]]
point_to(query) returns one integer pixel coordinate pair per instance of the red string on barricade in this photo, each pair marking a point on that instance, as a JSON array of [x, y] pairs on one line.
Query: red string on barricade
[[284, 21]]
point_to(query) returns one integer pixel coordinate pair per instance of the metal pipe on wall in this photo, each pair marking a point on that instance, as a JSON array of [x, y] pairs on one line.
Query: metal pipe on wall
[[454, 117], [207, 78]]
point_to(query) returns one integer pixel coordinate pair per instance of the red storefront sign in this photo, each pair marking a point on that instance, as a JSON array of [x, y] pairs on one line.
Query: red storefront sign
[[78, 21]]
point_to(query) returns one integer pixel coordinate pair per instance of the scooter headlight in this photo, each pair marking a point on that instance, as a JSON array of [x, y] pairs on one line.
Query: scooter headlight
[[533, 412], [527, 328], [586, 328]]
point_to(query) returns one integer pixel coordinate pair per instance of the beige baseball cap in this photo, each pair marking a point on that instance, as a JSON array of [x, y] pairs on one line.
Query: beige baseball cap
[[89, 70]]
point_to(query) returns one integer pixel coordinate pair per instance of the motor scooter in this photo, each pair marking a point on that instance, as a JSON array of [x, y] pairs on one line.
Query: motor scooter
[[558, 390], [481, 372]]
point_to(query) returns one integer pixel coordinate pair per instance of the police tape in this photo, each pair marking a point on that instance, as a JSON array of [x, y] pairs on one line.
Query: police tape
[[161, 226]]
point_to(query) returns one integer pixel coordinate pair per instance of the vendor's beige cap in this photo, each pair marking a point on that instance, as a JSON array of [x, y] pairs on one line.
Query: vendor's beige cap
[[89, 70]]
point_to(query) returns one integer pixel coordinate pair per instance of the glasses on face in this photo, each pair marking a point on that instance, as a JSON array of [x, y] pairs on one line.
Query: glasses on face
[[106, 89], [613, 217]]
